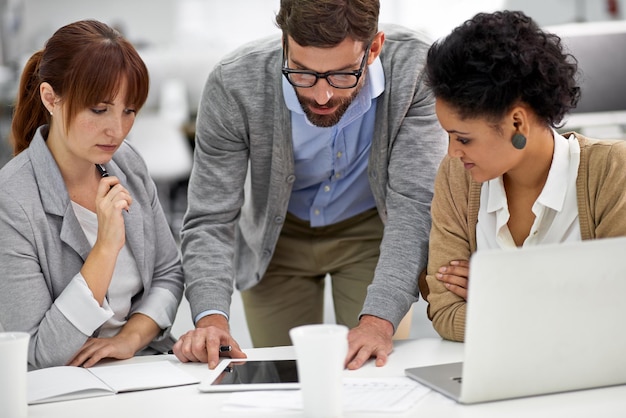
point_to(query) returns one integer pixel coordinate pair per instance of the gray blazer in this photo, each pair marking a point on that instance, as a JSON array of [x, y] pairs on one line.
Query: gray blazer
[[42, 247], [244, 130]]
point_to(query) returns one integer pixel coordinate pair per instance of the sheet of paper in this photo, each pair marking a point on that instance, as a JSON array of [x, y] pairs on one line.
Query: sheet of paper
[[141, 376], [394, 394], [62, 383]]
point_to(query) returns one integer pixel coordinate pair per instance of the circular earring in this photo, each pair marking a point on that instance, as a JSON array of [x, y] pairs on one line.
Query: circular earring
[[50, 113], [519, 141]]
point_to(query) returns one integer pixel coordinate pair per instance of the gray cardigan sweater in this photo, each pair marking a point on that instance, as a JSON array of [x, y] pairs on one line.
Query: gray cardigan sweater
[[243, 173], [42, 247]]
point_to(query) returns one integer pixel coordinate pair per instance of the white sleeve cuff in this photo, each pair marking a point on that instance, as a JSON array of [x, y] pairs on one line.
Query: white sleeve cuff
[[78, 305], [160, 305], [207, 313]]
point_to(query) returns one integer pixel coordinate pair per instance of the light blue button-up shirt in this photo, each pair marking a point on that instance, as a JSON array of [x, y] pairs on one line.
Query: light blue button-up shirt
[[331, 163]]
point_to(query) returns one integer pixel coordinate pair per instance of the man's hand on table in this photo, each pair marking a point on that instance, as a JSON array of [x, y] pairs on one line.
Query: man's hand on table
[[203, 343], [371, 338]]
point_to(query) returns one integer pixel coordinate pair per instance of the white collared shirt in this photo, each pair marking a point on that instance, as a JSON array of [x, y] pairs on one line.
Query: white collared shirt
[[555, 210]]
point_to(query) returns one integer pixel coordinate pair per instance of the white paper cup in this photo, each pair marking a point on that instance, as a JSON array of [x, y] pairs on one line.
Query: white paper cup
[[13, 369], [320, 353]]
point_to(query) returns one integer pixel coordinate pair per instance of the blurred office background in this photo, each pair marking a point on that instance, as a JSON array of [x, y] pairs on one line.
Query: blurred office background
[[181, 40]]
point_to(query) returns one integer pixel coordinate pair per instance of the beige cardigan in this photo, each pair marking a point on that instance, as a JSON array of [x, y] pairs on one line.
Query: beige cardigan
[[601, 191]]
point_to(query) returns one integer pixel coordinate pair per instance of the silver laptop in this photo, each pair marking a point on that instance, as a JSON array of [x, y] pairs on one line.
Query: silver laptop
[[540, 320]]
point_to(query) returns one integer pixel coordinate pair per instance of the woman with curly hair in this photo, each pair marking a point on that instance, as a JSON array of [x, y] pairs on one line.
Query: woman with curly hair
[[510, 180]]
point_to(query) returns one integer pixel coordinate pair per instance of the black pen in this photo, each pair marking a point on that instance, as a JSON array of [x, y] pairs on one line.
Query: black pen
[[103, 171], [223, 349]]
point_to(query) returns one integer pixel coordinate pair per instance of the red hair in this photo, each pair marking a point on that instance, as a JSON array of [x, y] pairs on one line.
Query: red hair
[[85, 63]]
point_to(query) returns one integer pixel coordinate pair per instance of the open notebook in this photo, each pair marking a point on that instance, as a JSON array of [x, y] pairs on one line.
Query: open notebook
[[66, 382], [540, 320]]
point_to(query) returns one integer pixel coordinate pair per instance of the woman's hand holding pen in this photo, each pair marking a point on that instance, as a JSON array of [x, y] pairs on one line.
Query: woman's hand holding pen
[[111, 199], [455, 277]]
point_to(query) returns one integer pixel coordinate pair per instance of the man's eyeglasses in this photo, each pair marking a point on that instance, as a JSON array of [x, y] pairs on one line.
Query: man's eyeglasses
[[337, 79]]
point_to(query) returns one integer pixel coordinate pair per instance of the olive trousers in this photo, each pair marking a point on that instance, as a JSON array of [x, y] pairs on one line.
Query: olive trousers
[[291, 293]]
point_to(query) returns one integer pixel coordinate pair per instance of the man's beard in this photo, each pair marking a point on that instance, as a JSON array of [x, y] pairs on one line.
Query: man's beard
[[325, 121]]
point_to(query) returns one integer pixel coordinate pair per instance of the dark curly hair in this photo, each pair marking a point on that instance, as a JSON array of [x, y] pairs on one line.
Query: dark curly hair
[[492, 61]]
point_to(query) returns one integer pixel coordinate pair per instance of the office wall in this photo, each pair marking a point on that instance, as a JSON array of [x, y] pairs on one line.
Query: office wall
[[440, 17], [231, 22], [193, 34], [142, 20]]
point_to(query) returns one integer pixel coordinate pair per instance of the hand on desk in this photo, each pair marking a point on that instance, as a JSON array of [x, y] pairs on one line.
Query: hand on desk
[[203, 343], [96, 349], [455, 277], [138, 331], [371, 338]]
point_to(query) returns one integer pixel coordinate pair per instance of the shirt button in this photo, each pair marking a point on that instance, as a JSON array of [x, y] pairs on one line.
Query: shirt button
[[338, 175], [316, 211], [291, 178], [339, 154], [327, 188]]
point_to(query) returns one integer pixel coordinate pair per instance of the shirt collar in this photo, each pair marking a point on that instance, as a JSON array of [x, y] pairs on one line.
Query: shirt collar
[[555, 189]]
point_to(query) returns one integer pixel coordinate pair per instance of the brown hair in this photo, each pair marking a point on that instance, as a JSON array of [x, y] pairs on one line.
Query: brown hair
[[84, 62], [324, 23]]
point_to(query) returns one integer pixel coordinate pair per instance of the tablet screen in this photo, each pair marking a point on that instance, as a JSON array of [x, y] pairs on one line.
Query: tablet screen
[[254, 375]]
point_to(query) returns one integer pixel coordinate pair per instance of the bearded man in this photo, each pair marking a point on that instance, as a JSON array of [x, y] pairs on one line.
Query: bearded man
[[315, 156]]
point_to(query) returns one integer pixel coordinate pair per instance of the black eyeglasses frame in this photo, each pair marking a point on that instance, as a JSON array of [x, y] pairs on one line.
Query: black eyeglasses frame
[[356, 73]]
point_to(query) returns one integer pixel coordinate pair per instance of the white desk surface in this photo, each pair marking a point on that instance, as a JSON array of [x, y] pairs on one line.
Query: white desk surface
[[188, 402]]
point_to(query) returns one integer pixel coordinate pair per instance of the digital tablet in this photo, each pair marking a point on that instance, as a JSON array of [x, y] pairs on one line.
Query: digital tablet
[[242, 375]]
